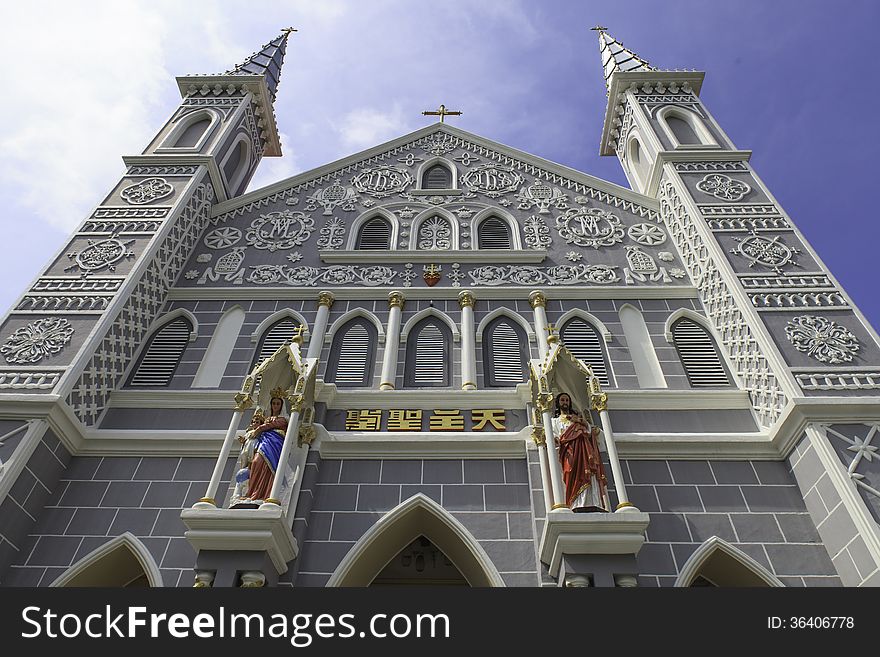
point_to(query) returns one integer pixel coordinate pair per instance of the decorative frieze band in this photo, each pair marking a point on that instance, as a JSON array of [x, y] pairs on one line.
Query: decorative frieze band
[[120, 227], [159, 212], [29, 380], [91, 284], [754, 209], [839, 380], [787, 282], [690, 167], [749, 223], [797, 300], [162, 171], [65, 303]]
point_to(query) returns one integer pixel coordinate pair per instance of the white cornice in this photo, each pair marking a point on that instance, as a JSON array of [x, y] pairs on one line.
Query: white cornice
[[426, 257], [579, 292], [500, 445], [714, 155], [181, 160]]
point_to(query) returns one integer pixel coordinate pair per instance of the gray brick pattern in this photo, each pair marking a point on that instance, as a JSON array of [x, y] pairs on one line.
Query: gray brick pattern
[[755, 506], [95, 499], [490, 497], [832, 520]]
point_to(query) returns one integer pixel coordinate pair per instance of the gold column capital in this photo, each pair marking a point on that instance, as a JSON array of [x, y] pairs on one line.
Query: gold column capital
[[537, 298], [538, 436], [466, 298], [326, 298], [600, 401], [396, 299]]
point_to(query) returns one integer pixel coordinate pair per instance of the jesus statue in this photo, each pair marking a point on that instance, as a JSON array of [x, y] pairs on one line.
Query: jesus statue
[[582, 469]]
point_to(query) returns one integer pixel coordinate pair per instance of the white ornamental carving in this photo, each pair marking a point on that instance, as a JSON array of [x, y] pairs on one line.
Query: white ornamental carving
[[643, 267], [147, 191], [537, 233], [280, 230], [223, 238], [823, 339], [334, 196], [382, 181], [439, 145], [435, 234], [311, 276], [228, 266], [101, 254], [542, 196], [40, 339], [589, 227], [646, 234], [723, 187], [493, 180], [558, 275], [762, 250], [332, 234]]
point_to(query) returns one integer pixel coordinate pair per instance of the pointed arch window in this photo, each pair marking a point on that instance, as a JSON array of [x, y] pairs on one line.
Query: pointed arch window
[[162, 355], [583, 340], [437, 177], [435, 234], [682, 130], [374, 234], [277, 334], [429, 355], [505, 354], [494, 233], [699, 355], [193, 133], [353, 355]]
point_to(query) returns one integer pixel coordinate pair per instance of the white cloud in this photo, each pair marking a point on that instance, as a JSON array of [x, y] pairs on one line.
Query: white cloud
[[366, 126]]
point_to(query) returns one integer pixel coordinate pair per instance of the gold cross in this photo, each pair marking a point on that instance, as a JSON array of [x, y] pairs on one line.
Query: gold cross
[[442, 112], [298, 334], [551, 333], [431, 269], [598, 28], [288, 30]]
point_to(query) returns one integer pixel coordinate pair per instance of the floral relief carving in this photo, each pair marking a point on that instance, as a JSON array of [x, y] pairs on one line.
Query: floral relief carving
[[593, 227], [280, 230], [147, 191], [723, 187], [822, 338], [37, 340]]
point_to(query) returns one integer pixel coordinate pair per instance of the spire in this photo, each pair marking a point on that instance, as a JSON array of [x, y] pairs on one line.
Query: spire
[[616, 57], [267, 62]]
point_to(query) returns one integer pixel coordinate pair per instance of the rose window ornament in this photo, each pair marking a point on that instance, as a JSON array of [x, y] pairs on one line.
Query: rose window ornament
[[823, 339], [768, 252], [223, 238], [723, 187], [147, 191], [646, 234], [100, 254], [38, 340]]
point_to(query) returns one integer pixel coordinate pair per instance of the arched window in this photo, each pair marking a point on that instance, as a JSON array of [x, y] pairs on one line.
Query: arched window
[[641, 348], [193, 133], [353, 354], [374, 234], [437, 177], [699, 355], [682, 130], [162, 355], [219, 351], [236, 165], [279, 333], [505, 353], [429, 355], [435, 234], [493, 233], [583, 340]]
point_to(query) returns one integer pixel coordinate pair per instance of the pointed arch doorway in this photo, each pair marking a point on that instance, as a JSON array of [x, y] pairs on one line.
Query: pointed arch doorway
[[718, 563], [417, 542], [121, 562]]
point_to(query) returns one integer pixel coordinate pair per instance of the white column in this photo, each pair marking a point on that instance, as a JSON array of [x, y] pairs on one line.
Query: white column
[[209, 501], [291, 437], [556, 480], [319, 330], [538, 302], [392, 340], [466, 301], [601, 404], [541, 443]]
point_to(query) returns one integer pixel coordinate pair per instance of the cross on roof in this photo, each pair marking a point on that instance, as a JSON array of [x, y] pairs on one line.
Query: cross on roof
[[442, 112]]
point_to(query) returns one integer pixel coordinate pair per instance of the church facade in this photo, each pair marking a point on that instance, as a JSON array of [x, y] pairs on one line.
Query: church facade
[[420, 309]]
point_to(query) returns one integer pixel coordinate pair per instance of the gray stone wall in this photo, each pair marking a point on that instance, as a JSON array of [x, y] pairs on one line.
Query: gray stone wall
[[490, 497], [754, 505], [95, 499]]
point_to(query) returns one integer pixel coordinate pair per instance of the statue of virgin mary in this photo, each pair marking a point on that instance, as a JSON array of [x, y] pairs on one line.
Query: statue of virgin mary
[[259, 456]]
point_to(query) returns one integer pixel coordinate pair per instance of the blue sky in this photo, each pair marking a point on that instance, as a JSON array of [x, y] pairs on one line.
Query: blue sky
[[86, 83]]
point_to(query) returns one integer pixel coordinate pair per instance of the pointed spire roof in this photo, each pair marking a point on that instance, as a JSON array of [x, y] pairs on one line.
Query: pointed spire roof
[[616, 57], [267, 61]]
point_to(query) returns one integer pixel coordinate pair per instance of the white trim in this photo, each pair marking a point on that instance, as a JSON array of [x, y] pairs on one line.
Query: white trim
[[183, 124], [504, 312], [696, 123], [428, 312], [423, 445], [284, 313], [504, 215], [692, 315], [590, 318], [364, 217], [126, 540], [641, 351], [427, 164], [422, 217], [417, 516], [213, 366], [385, 256], [692, 566], [243, 165], [352, 314], [633, 167]]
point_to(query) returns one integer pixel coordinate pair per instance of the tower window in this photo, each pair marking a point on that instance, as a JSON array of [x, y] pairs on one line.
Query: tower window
[[493, 233], [437, 177], [374, 234], [191, 136], [699, 355], [162, 355]]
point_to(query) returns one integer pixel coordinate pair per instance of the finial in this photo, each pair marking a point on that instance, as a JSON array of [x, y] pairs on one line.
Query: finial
[[298, 334], [442, 112], [552, 338], [287, 30], [598, 28]]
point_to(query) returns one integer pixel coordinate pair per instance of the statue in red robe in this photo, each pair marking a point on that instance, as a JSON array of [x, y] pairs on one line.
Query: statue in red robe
[[582, 470]]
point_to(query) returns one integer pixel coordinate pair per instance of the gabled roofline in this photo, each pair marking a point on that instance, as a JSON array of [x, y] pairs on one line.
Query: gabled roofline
[[438, 128]]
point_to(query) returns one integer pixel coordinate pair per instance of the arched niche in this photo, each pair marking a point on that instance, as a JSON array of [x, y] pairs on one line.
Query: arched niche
[[423, 172], [718, 563], [396, 530], [193, 130], [358, 224], [123, 561], [684, 128], [237, 162]]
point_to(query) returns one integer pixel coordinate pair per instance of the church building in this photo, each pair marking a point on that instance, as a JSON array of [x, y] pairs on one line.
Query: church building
[[439, 361]]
